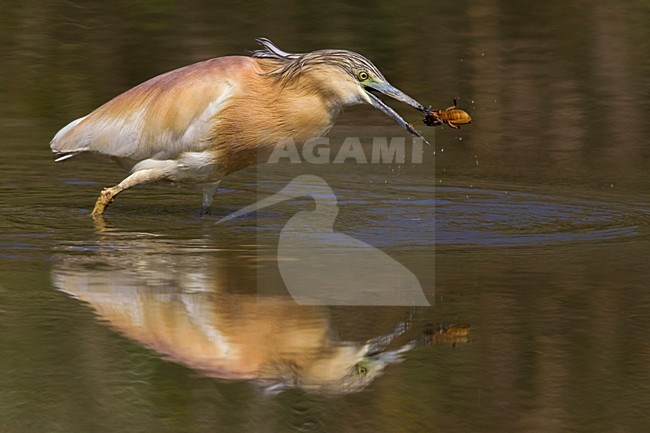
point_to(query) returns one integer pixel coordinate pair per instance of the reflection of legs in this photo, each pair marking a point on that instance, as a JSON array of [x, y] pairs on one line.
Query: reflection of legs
[[208, 196], [139, 177]]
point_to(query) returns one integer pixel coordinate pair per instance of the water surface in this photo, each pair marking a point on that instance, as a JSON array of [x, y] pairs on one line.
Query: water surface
[[530, 228]]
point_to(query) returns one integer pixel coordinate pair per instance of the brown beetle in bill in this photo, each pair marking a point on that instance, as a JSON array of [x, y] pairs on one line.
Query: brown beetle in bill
[[452, 116]]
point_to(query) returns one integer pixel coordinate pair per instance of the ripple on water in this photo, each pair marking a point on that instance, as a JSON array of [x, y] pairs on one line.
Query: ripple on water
[[400, 216], [457, 216]]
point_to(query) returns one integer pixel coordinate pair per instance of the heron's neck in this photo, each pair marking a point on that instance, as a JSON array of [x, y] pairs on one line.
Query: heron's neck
[[309, 107]]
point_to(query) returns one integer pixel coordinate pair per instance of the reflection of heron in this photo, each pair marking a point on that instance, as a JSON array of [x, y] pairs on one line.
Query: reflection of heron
[[331, 268], [202, 122], [180, 307]]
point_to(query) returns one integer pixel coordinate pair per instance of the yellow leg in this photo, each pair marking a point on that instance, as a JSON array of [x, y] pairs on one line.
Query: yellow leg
[[105, 198], [208, 197], [139, 177]]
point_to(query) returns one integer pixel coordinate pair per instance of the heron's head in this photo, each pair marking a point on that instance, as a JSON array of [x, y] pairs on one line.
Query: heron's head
[[345, 77]]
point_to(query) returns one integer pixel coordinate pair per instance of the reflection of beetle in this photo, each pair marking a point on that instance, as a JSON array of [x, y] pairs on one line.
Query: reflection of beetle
[[451, 334], [452, 116]]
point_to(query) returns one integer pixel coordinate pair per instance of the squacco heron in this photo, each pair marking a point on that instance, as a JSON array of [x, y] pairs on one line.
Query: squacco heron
[[199, 123]]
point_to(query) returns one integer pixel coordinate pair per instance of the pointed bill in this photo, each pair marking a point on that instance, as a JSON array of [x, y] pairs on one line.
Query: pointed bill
[[394, 93]]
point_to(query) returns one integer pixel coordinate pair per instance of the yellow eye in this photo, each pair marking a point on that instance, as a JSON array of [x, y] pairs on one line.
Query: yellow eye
[[362, 75], [361, 370]]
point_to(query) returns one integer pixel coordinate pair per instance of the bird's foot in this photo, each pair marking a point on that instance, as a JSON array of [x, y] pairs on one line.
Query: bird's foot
[[105, 198]]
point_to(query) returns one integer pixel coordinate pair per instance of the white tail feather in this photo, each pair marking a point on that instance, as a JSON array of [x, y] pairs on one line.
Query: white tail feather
[[64, 157]]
